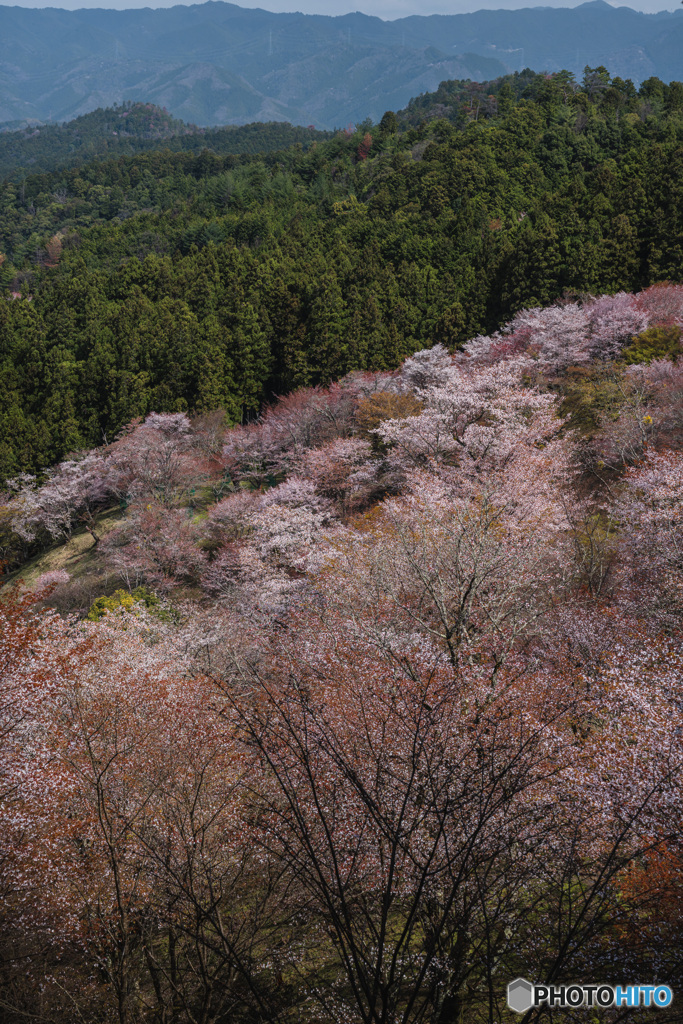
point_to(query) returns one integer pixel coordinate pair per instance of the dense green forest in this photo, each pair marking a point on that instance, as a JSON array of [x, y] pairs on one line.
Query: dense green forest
[[133, 128], [180, 281]]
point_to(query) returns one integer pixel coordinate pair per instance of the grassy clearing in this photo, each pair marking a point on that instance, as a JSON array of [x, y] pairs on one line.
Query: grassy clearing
[[78, 556]]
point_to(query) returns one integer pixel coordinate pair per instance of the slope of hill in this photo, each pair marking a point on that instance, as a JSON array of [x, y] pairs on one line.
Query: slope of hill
[[369, 671], [175, 281], [134, 128], [216, 63]]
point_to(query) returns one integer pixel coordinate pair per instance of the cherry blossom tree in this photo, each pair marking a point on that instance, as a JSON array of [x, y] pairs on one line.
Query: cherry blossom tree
[[259, 542], [473, 418], [649, 510], [559, 335], [230, 518], [377, 810], [614, 320], [412, 724], [644, 401], [305, 419], [160, 459], [662, 303], [475, 574], [333, 468], [480, 543], [126, 854], [74, 492], [443, 830], [556, 337], [505, 344], [248, 583], [26, 644], [157, 546], [570, 334], [427, 368]]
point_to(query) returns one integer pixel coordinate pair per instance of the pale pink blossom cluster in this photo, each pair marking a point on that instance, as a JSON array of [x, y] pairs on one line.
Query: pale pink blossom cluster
[[573, 333], [650, 514], [300, 421]]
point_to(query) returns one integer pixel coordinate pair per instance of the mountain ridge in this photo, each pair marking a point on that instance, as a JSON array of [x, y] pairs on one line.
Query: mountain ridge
[[104, 134], [217, 63]]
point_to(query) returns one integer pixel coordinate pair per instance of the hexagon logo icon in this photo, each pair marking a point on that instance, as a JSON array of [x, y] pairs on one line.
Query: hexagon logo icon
[[520, 995]]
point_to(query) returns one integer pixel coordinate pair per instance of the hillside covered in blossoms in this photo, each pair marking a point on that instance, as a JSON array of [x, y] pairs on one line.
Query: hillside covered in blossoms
[[358, 710]]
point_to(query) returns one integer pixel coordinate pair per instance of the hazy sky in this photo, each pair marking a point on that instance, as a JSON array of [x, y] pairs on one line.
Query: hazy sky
[[387, 9]]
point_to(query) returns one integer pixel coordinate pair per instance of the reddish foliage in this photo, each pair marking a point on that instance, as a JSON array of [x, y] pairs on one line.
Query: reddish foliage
[[364, 147]]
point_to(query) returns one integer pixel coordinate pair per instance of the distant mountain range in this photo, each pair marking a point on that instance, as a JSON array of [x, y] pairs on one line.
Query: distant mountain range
[[216, 63]]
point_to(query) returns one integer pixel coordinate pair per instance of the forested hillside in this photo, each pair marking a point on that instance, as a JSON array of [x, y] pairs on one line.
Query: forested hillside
[[173, 282], [133, 128]]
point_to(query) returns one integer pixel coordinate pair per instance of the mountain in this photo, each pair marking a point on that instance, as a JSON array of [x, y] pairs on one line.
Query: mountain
[[216, 63]]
